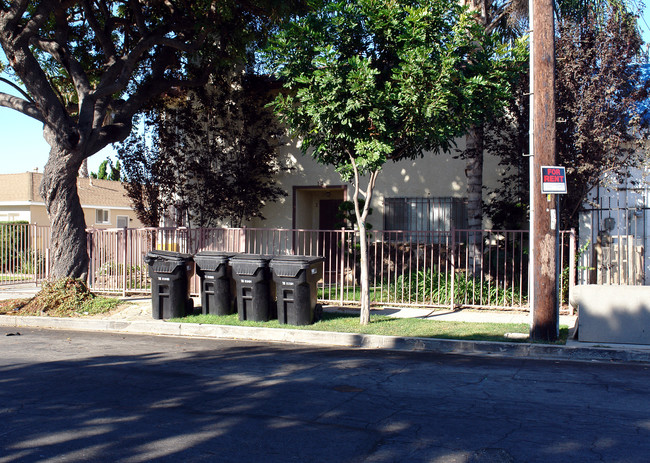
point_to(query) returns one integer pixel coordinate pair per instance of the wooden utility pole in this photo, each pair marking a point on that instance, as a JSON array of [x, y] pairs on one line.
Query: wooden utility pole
[[544, 217]]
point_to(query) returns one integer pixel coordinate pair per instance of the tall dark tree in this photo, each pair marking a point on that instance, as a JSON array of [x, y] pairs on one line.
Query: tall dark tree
[[602, 119], [211, 153], [602, 127], [84, 68]]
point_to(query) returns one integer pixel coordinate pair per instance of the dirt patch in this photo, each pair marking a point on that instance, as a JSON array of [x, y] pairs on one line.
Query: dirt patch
[[67, 297]]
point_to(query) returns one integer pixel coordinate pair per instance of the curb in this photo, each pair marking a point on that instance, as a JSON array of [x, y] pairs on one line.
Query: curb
[[335, 339]]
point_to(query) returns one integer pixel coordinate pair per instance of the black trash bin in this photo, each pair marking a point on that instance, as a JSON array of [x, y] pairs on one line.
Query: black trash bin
[[216, 282], [170, 273], [295, 280], [253, 286]]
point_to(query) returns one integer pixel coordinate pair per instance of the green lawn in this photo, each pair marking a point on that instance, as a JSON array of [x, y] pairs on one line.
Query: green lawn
[[16, 278], [380, 324]]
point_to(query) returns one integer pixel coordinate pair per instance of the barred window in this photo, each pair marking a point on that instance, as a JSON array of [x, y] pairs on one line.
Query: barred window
[[425, 214]]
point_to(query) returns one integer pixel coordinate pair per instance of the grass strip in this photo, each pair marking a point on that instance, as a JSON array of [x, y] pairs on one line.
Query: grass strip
[[387, 326]]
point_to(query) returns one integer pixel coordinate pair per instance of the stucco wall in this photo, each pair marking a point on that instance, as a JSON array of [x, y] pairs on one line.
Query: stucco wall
[[90, 217], [14, 214], [431, 176]]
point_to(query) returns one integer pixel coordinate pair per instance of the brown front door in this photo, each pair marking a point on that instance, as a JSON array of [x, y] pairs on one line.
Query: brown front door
[[328, 223]]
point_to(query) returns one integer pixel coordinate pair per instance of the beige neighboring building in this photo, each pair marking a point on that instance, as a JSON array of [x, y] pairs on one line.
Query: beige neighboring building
[[425, 194], [104, 202]]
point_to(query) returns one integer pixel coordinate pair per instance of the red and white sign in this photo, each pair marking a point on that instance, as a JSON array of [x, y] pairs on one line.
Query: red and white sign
[[553, 180]]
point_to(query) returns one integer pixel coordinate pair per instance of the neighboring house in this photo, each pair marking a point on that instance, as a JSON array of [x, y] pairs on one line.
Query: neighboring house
[[104, 202], [425, 194]]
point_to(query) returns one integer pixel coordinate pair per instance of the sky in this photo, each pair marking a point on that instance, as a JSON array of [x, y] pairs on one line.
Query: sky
[[23, 148]]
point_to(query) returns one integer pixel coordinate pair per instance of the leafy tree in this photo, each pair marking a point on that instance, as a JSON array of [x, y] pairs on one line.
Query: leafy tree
[[213, 155], [85, 68], [602, 117], [375, 81], [602, 126], [505, 19], [103, 171]]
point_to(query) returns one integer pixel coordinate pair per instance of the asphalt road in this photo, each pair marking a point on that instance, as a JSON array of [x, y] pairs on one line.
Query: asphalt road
[[74, 396]]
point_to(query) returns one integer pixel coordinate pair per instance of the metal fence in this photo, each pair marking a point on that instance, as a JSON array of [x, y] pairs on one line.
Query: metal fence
[[406, 268], [614, 245], [24, 253], [458, 268]]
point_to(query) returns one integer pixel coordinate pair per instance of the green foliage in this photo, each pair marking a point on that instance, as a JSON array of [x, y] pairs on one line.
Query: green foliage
[[435, 288], [14, 238], [367, 82], [345, 215], [375, 81], [103, 171]]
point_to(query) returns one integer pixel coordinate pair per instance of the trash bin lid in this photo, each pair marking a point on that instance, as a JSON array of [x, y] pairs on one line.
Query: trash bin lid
[[248, 264], [290, 266], [168, 256], [211, 260], [166, 261]]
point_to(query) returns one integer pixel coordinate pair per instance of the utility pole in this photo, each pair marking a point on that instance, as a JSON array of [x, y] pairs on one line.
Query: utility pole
[[543, 215]]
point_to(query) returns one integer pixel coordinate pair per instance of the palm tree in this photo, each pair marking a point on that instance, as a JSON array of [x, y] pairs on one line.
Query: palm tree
[[508, 19]]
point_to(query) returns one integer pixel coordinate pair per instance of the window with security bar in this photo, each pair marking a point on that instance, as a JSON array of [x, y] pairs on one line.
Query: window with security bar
[[425, 214]]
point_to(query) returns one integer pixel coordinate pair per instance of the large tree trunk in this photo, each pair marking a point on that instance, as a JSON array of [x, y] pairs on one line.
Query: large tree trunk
[[474, 171], [68, 227]]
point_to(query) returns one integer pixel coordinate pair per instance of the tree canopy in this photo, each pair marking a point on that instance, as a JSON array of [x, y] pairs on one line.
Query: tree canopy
[[84, 69], [211, 153], [375, 81], [602, 112]]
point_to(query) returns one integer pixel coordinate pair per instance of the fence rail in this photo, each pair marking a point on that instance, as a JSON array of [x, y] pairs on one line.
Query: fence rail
[[24, 253], [458, 268]]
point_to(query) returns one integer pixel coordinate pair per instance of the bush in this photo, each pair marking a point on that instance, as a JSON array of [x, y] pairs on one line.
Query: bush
[[14, 237], [435, 288]]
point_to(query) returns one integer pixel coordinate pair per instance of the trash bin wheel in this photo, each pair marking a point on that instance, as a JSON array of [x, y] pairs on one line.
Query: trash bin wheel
[[318, 312]]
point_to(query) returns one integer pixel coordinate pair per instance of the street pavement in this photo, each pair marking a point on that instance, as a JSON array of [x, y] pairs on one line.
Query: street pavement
[[136, 319], [69, 396]]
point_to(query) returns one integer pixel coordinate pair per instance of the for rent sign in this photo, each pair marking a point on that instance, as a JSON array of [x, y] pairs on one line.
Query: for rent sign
[[553, 180]]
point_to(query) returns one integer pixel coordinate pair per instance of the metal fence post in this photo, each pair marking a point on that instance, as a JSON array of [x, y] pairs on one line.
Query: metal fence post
[[242, 239], [342, 260], [124, 268], [572, 265], [453, 266]]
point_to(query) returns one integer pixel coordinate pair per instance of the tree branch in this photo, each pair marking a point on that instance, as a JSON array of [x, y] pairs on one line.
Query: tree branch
[[137, 14], [17, 12], [102, 34], [26, 107], [17, 88], [128, 65]]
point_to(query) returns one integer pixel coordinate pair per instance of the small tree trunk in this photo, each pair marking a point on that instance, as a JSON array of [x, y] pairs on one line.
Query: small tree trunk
[[474, 152], [68, 227], [364, 316], [361, 216]]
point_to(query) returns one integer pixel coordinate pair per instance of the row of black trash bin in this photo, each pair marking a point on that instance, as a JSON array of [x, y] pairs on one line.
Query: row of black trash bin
[[237, 282]]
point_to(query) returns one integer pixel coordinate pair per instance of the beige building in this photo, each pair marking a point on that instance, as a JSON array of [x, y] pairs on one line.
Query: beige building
[[104, 202], [427, 194]]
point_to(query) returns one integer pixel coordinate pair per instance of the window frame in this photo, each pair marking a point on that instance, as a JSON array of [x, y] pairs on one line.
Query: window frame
[[105, 213]]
